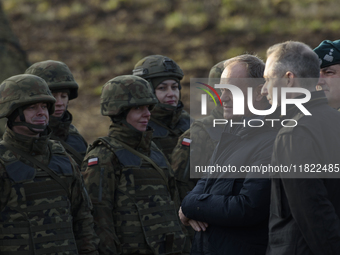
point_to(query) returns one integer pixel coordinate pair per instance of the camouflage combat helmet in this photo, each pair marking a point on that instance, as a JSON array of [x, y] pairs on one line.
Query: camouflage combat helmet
[[216, 72], [57, 75], [157, 66], [24, 89], [215, 76], [125, 92]]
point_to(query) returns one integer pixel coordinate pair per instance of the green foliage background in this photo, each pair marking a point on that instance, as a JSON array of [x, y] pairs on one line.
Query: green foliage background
[[100, 39]]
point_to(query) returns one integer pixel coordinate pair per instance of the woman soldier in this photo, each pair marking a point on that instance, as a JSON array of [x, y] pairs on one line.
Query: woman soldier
[[64, 88], [129, 180], [168, 119]]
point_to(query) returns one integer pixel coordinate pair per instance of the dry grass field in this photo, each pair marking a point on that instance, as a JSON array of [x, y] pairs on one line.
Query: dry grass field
[[101, 39]]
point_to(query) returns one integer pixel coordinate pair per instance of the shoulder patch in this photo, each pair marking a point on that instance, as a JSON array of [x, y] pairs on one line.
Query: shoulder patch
[[92, 161], [186, 141]]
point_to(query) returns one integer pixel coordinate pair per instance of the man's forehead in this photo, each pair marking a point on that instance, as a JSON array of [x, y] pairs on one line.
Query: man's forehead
[[270, 60], [235, 70], [268, 67]]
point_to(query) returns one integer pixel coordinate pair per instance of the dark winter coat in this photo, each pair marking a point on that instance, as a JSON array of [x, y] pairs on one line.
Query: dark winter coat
[[304, 217], [237, 207]]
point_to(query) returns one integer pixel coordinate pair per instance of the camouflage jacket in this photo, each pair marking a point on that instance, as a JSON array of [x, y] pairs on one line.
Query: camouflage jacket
[[65, 132], [195, 148], [134, 205], [37, 214], [3, 122], [168, 126]]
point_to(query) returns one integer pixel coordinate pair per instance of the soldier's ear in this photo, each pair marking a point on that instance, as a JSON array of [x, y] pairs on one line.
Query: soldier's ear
[[290, 79]]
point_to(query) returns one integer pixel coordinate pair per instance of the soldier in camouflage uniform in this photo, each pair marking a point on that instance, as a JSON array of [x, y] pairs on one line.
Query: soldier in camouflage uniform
[[201, 136], [2, 126], [168, 118], [130, 182], [64, 88], [44, 207]]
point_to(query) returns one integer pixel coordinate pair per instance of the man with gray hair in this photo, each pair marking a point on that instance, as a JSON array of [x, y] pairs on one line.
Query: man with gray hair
[[304, 213]]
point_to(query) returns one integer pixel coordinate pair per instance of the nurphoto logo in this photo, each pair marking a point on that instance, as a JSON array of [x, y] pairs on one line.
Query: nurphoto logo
[[238, 103], [204, 97]]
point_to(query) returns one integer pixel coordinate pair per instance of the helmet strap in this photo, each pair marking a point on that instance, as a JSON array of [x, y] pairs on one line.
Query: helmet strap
[[31, 126], [121, 120], [19, 112], [21, 115], [124, 122], [153, 88]]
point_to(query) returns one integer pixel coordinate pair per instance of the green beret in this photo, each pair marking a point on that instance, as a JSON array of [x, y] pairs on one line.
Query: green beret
[[328, 52]]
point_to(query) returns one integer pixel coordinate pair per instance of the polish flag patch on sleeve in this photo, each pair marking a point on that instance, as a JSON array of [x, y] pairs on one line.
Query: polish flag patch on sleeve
[[92, 161], [186, 142]]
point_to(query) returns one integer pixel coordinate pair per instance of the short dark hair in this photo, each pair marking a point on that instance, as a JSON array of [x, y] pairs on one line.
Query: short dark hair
[[255, 65]]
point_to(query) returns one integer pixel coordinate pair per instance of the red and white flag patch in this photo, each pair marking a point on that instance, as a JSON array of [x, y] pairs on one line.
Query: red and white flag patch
[[186, 142], [92, 161]]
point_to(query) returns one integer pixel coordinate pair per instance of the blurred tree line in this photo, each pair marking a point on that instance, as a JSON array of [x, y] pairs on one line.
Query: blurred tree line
[[12, 58], [100, 39]]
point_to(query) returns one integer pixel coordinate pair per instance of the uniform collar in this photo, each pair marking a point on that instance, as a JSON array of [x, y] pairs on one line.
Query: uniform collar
[[32, 145], [170, 118], [138, 140], [60, 126], [217, 112]]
